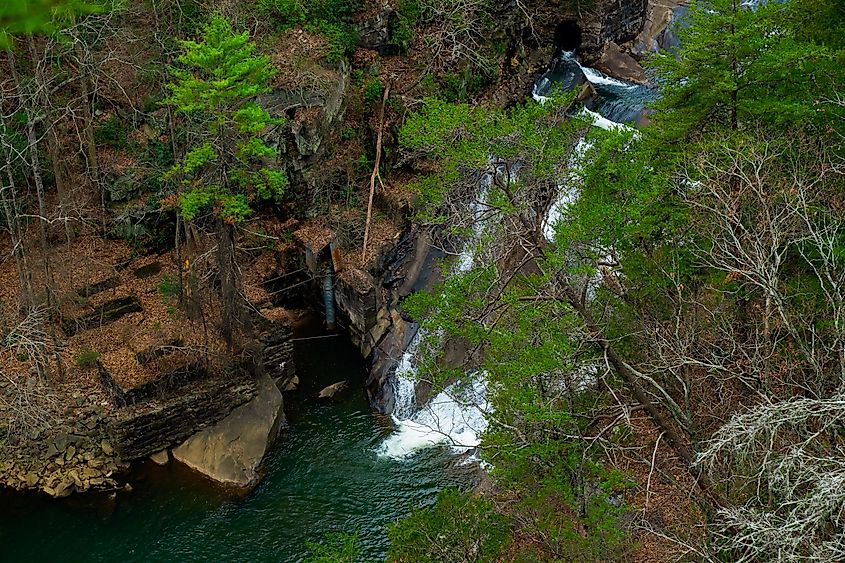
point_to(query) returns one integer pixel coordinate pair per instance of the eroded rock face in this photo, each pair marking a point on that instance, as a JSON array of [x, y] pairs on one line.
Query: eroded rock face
[[619, 21], [230, 452], [656, 32]]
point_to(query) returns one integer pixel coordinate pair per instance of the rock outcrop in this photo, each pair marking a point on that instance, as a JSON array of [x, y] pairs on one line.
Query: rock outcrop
[[619, 64], [370, 305], [619, 21], [230, 452], [656, 32]]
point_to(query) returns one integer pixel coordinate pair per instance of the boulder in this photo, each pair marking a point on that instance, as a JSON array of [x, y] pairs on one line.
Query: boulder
[[332, 390], [160, 458], [619, 64], [657, 31], [231, 451]]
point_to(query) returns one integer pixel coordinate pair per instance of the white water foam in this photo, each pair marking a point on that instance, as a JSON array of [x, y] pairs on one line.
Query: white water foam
[[597, 77], [567, 193], [602, 122], [455, 417]]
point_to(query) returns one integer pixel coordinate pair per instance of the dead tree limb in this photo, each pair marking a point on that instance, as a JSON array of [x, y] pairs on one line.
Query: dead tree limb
[[375, 173]]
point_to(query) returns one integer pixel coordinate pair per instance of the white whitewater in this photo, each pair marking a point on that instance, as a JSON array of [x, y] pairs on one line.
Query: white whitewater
[[455, 417], [567, 193], [597, 77], [593, 76]]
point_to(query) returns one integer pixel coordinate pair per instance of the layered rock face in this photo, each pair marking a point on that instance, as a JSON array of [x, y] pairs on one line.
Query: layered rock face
[[231, 451], [371, 306], [225, 424], [617, 21]]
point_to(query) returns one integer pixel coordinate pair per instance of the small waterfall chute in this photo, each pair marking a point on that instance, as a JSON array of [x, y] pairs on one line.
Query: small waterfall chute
[[456, 416]]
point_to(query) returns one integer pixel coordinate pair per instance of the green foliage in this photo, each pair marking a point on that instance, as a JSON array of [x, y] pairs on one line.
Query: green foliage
[[458, 528], [86, 357], [337, 548], [408, 13], [216, 85], [563, 491], [373, 90], [168, 287], [465, 137], [330, 18], [29, 17], [113, 132], [738, 67]]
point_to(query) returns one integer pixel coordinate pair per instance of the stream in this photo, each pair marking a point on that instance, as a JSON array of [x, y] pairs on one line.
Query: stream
[[337, 467], [325, 474]]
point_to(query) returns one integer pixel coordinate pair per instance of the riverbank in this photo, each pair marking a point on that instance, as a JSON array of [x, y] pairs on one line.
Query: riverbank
[[324, 475]]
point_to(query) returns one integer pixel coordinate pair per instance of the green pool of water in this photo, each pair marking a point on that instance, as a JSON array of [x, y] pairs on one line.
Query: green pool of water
[[322, 476]]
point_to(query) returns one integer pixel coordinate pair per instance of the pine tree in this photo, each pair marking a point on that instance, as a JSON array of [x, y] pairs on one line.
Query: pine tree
[[215, 86], [739, 67]]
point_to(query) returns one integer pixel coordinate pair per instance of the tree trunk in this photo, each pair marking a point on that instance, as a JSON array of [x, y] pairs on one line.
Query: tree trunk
[[32, 141], [12, 213], [229, 293], [52, 137], [92, 161]]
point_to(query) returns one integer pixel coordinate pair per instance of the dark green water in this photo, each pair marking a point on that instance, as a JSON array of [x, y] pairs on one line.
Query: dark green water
[[322, 476]]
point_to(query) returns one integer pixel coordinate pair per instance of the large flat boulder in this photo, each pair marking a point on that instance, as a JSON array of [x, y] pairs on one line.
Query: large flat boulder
[[231, 451], [619, 64]]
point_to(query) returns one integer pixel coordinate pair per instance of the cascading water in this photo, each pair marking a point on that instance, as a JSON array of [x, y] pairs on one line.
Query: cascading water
[[455, 416], [615, 101]]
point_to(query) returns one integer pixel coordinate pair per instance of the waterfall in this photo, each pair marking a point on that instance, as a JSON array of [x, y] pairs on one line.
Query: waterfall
[[455, 416], [566, 193], [616, 100]]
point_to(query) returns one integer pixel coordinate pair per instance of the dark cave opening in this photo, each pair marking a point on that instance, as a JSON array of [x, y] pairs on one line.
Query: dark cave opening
[[568, 35]]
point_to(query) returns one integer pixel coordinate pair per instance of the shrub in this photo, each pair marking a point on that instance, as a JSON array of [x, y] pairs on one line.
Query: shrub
[[168, 287], [408, 12], [330, 18], [373, 91], [112, 132], [337, 548], [86, 357], [457, 528]]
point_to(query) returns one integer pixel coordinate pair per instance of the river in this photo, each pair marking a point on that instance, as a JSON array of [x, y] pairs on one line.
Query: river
[[337, 467], [325, 474]]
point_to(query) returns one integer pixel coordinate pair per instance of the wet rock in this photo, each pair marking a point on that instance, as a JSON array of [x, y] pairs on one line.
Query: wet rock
[[616, 63], [231, 451], [332, 390], [160, 458]]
